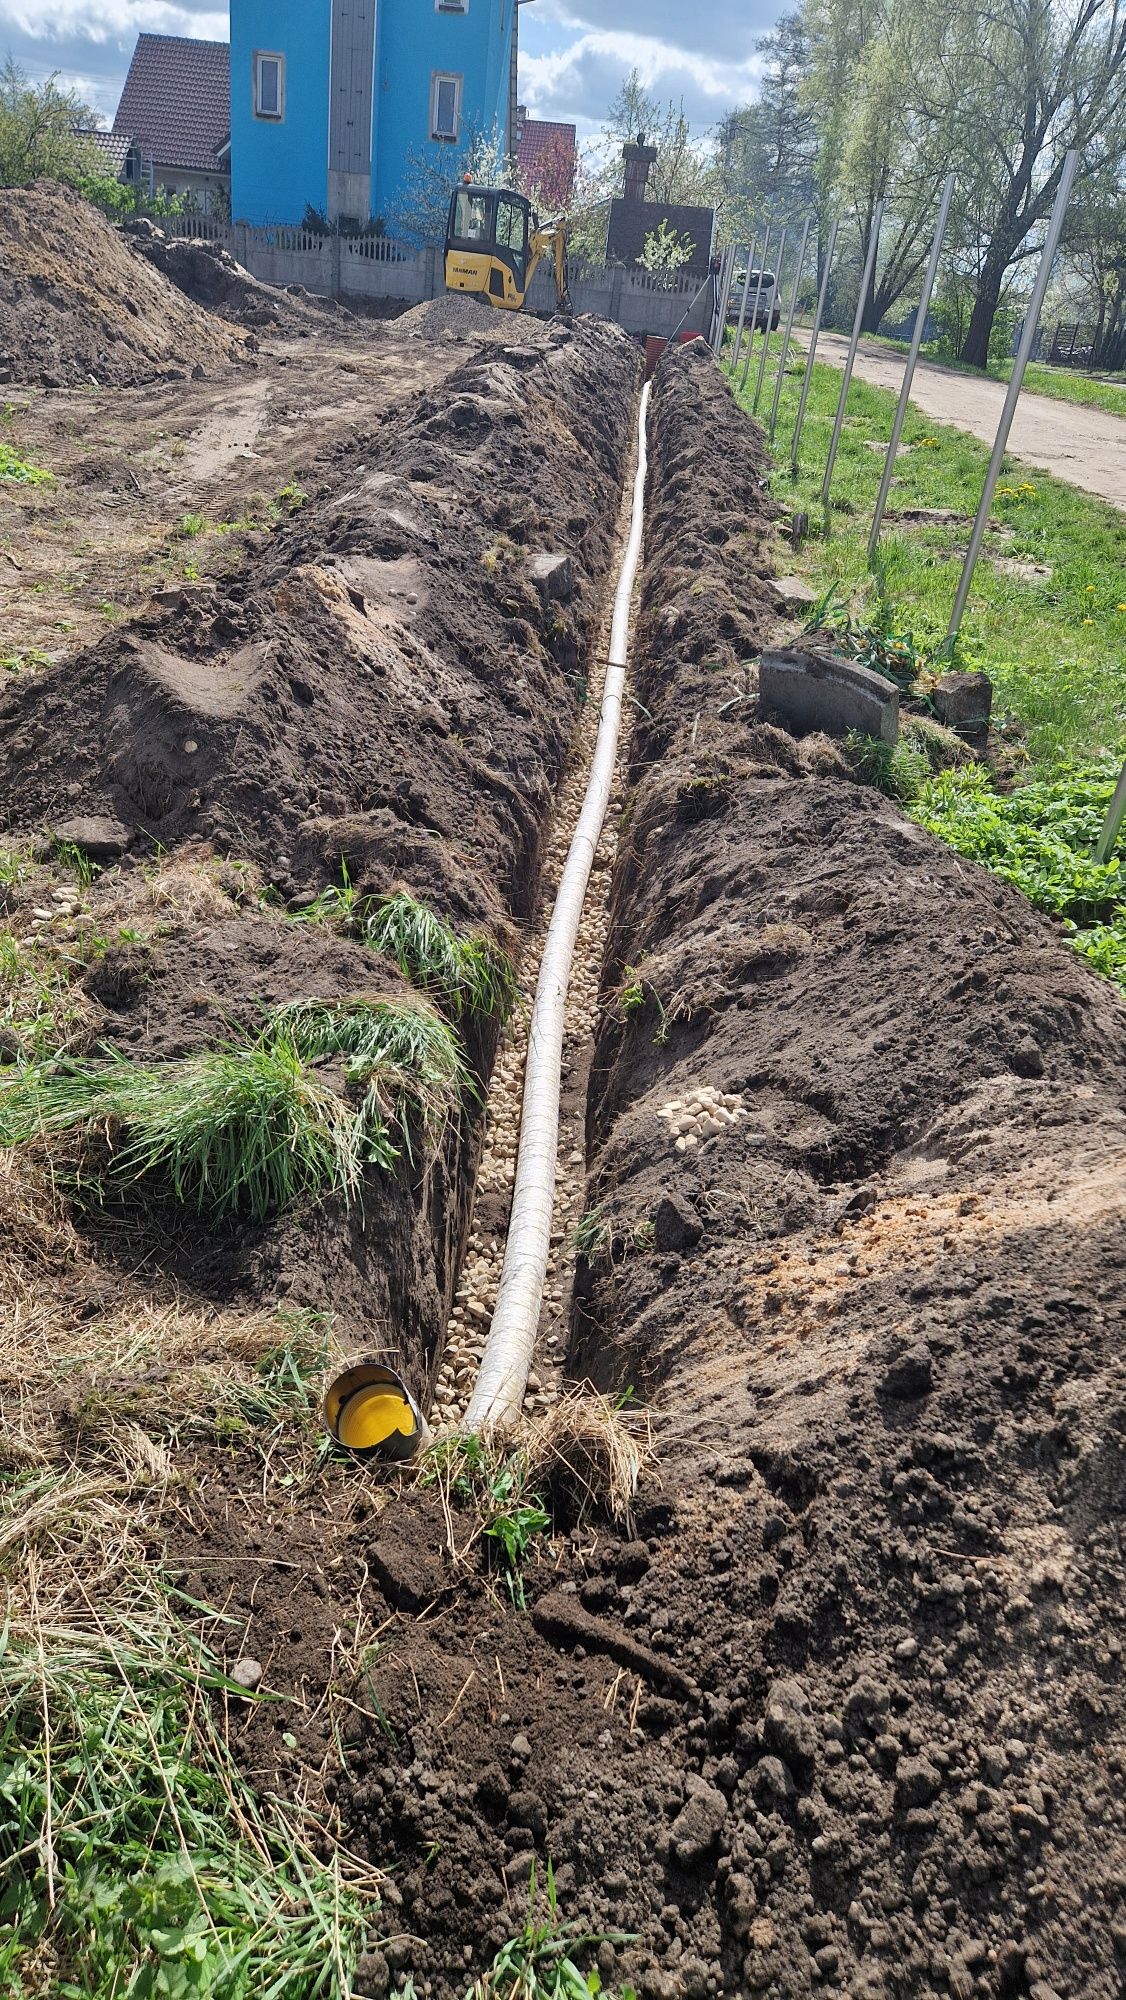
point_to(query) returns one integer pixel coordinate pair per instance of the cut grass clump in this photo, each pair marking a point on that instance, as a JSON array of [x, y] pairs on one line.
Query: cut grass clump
[[253, 1126], [1040, 838], [404, 1053], [900, 770], [467, 975]]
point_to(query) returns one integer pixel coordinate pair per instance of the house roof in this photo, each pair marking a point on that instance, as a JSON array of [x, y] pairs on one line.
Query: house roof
[[113, 146], [176, 104], [540, 136]]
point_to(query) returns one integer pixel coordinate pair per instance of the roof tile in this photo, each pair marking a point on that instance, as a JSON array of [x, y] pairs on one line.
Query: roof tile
[[176, 103]]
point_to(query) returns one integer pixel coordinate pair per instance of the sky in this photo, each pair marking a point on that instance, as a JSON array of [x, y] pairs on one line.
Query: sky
[[574, 53]]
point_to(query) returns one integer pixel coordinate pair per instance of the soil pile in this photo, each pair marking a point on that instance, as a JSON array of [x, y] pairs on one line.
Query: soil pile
[[845, 1714], [388, 686], [460, 316], [75, 303], [213, 278]]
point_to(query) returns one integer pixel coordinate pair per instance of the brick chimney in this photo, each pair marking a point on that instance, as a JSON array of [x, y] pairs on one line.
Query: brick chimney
[[638, 158]]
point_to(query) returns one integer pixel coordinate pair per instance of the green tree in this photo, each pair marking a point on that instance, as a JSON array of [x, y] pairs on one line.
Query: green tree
[[1020, 84], [766, 151], [38, 135]]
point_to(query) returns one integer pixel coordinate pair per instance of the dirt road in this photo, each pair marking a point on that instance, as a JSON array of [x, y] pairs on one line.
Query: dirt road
[[1085, 447]]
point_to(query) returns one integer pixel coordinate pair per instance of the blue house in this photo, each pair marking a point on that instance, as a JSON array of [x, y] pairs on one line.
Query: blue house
[[332, 99]]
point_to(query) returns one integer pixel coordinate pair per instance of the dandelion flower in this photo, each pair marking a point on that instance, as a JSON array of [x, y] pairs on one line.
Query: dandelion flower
[[1120, 607], [1088, 621], [1090, 590]]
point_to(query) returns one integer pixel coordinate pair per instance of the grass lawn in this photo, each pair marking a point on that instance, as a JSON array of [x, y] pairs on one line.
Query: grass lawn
[[1067, 385], [1046, 620], [1054, 644]]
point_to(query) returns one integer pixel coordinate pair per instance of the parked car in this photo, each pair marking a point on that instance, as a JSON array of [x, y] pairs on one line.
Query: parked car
[[769, 305]]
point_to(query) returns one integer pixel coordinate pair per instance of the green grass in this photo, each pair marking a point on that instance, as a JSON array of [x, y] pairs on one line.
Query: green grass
[[135, 1860], [465, 974], [253, 1126], [37, 1007], [1055, 647], [1065, 385]]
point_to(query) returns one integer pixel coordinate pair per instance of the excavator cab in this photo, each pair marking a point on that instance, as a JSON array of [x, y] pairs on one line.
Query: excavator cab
[[494, 243]]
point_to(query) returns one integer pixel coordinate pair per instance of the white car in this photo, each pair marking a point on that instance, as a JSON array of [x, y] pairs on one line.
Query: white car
[[769, 305]]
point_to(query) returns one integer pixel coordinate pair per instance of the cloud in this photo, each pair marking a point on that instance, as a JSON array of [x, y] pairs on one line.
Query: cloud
[[102, 21], [725, 31], [578, 81]]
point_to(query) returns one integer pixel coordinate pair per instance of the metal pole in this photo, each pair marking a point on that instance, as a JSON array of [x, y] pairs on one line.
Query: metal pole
[[722, 291], [766, 329], [909, 371], [1028, 335], [743, 307], [799, 421], [754, 311], [1112, 824], [789, 329], [838, 422]]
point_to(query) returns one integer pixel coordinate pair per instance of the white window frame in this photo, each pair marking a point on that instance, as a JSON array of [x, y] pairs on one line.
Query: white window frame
[[269, 56], [439, 77]]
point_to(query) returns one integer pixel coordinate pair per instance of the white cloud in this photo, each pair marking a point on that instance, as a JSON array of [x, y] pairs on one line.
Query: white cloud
[[579, 81], [108, 20], [726, 30]]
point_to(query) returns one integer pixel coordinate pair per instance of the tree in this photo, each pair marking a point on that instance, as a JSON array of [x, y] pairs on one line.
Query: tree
[[684, 170], [1021, 84], [767, 150], [38, 131], [665, 253]]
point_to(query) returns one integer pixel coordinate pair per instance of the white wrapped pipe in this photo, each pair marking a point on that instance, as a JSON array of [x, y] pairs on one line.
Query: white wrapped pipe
[[502, 1379]]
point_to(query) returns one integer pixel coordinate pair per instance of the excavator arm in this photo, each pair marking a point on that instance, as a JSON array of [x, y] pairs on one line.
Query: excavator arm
[[551, 241]]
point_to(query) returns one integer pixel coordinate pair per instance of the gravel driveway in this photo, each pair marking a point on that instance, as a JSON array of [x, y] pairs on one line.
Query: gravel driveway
[[1084, 446]]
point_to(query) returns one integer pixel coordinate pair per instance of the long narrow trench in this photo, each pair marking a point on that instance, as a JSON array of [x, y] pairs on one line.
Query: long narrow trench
[[477, 1290]]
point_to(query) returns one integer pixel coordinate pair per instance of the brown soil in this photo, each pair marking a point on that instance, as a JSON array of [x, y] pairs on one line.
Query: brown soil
[[213, 278], [76, 305], [846, 1714], [382, 683]]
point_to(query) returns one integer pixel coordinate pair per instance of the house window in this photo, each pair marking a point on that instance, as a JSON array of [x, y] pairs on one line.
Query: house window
[[451, 6], [269, 85], [445, 106]]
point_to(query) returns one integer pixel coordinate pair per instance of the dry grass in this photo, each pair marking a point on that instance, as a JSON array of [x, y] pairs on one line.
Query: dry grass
[[599, 1450]]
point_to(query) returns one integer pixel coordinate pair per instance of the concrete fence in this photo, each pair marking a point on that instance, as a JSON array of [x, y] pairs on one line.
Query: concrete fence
[[378, 267]]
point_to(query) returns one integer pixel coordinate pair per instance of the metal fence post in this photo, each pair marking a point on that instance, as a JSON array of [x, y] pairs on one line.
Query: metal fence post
[[743, 307], [1028, 335], [804, 398], [789, 328], [722, 290], [838, 422], [909, 371], [780, 258], [754, 311]]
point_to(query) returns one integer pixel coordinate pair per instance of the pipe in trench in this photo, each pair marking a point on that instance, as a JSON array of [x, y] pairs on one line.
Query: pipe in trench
[[502, 1379]]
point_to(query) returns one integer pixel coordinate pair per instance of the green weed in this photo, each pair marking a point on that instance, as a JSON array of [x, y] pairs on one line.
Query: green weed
[[592, 1233], [189, 526], [1040, 838], [539, 1962], [26, 662], [20, 470], [78, 861], [37, 1007], [495, 1487]]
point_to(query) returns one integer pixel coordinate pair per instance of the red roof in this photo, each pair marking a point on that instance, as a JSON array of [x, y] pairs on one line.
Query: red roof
[[547, 156], [544, 135], [176, 104]]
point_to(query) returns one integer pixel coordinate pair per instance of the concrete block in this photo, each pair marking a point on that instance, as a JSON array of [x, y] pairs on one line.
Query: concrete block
[[793, 593], [808, 691], [963, 702], [95, 835], [553, 576]]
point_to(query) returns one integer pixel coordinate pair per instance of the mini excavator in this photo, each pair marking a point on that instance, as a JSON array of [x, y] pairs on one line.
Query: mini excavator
[[495, 243]]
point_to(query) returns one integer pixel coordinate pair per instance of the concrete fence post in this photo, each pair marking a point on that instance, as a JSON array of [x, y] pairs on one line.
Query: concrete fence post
[[337, 273], [240, 246]]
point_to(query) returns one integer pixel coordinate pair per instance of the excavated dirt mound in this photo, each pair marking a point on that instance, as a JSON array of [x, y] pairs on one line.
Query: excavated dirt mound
[[845, 1715], [213, 278], [391, 684], [75, 303]]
